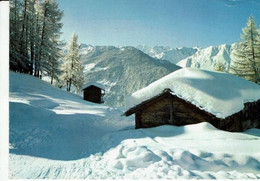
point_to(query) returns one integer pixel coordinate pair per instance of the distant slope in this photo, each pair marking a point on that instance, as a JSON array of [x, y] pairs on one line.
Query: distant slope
[[173, 55], [122, 70], [210, 57]]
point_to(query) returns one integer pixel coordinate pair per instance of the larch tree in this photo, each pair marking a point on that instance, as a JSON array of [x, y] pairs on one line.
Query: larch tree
[[24, 37], [16, 59], [72, 66], [247, 54], [35, 30], [48, 47]]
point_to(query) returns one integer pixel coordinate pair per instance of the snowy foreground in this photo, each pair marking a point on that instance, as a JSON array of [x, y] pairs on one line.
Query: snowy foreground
[[55, 134]]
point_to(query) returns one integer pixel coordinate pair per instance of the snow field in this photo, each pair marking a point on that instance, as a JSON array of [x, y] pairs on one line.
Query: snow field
[[150, 157], [57, 135]]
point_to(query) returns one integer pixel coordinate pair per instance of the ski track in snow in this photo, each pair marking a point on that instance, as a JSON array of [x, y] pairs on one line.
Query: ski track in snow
[[57, 135]]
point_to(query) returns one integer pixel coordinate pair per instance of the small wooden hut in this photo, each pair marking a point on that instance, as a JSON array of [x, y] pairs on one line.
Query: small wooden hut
[[167, 107], [93, 92]]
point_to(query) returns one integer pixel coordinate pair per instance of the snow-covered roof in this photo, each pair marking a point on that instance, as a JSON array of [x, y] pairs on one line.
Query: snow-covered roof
[[220, 94], [101, 86]]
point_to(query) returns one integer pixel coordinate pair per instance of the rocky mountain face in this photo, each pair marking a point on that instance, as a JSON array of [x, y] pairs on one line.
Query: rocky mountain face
[[121, 70]]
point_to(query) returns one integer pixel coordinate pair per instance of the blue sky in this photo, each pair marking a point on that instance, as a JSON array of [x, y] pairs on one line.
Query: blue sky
[[174, 23]]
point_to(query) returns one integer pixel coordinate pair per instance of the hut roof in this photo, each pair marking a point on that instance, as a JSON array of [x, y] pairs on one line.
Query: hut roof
[[101, 86], [220, 94]]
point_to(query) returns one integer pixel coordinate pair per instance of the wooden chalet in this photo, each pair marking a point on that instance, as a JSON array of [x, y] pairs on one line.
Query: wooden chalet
[[166, 108], [93, 92]]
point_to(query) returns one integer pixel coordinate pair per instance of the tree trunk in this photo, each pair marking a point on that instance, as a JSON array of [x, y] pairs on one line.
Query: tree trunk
[[36, 61], [253, 62], [22, 43], [69, 84], [32, 39], [42, 40]]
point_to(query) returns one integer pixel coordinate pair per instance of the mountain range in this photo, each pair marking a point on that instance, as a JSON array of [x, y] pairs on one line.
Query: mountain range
[[174, 55], [121, 70], [124, 70], [211, 58]]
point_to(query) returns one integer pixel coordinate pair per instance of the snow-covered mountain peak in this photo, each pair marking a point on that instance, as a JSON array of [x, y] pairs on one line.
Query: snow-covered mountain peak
[[173, 55], [210, 58]]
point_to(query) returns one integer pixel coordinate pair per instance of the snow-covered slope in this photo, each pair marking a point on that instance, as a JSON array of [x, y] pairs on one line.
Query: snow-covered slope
[[51, 123], [210, 58], [56, 135], [122, 70], [220, 94], [173, 55]]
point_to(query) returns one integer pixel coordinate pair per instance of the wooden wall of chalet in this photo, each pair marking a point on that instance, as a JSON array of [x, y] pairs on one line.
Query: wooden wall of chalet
[[251, 115], [171, 110], [93, 94], [248, 118], [158, 113]]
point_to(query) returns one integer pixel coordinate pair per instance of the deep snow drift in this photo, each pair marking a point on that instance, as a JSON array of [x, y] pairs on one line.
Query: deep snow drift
[[55, 134]]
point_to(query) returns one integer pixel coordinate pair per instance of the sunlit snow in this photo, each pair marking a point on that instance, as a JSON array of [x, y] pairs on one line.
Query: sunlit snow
[[57, 135]]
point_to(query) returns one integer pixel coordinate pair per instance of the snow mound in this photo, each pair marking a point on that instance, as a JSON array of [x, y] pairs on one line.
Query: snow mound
[[220, 94], [129, 157], [187, 152], [204, 126]]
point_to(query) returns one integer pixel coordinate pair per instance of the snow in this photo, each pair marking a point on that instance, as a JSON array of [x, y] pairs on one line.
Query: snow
[[220, 94], [89, 67], [57, 135], [101, 86], [86, 49], [174, 55], [210, 58]]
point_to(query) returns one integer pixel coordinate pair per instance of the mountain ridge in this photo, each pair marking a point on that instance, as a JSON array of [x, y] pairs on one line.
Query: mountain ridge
[[211, 58], [122, 70], [173, 55]]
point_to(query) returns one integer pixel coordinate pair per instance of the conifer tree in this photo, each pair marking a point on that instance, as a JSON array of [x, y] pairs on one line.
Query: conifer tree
[[34, 36], [247, 54], [72, 67], [219, 67], [48, 50], [16, 60]]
